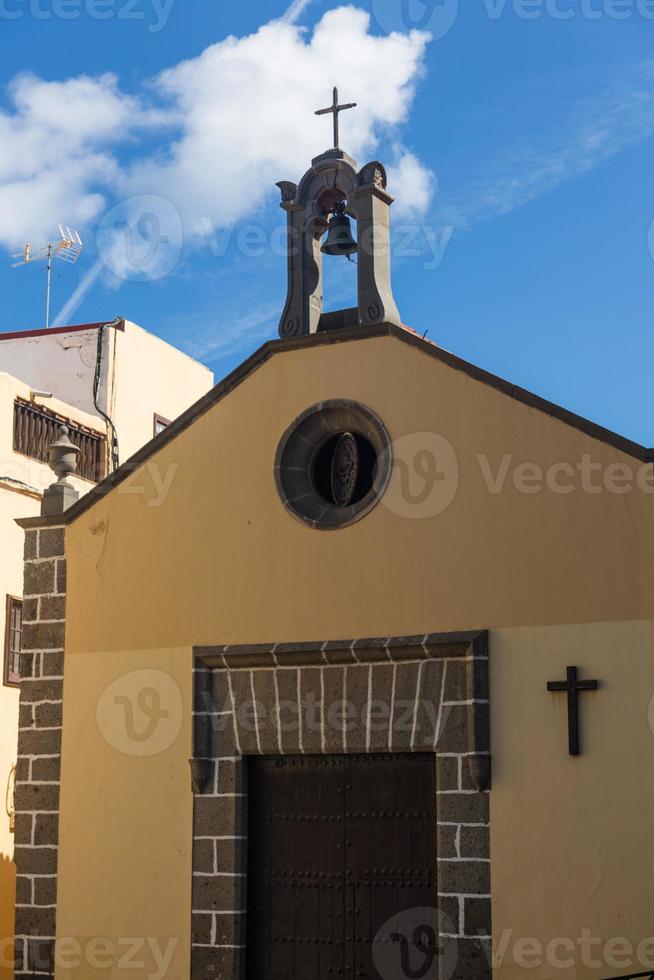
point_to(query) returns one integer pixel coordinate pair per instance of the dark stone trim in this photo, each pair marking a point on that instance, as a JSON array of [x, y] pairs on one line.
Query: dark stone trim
[[339, 319], [478, 716], [367, 650], [272, 347], [242, 700], [201, 773]]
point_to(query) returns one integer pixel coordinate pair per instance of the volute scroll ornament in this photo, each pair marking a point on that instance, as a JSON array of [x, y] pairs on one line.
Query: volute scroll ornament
[[290, 327], [374, 173], [288, 190]]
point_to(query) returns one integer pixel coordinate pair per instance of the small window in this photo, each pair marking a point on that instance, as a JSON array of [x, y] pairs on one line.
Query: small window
[[160, 423], [13, 630], [333, 464]]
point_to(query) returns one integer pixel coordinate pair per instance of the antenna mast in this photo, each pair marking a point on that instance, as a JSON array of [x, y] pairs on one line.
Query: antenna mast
[[67, 248]]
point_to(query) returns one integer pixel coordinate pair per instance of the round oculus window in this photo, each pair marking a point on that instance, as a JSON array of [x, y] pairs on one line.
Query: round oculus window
[[333, 464]]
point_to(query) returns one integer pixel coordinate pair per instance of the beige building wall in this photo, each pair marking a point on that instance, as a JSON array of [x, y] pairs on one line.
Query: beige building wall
[[60, 362], [150, 377], [141, 376], [558, 578]]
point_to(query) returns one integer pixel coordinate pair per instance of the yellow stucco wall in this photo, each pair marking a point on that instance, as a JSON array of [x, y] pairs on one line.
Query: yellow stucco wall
[[209, 499], [571, 839], [197, 549], [123, 876]]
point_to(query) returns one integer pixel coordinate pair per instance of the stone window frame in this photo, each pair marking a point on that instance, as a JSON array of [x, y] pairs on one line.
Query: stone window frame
[[232, 686], [296, 452]]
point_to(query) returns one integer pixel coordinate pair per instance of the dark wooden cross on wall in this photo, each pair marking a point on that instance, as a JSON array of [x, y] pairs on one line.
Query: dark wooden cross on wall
[[572, 686], [335, 108]]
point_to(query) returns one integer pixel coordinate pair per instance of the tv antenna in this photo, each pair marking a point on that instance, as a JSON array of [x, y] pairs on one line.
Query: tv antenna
[[67, 248]]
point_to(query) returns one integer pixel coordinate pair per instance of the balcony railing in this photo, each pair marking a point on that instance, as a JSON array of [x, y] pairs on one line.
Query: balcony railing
[[36, 428]]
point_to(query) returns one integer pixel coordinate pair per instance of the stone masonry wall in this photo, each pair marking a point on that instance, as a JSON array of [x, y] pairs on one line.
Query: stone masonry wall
[[39, 751], [281, 700]]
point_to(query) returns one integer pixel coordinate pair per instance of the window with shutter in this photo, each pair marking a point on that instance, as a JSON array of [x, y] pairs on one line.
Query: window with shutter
[[13, 631]]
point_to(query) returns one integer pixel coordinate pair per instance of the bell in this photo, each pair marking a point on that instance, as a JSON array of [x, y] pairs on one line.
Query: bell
[[339, 239]]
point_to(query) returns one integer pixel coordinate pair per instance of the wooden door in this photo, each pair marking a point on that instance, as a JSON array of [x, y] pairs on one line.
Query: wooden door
[[342, 868]]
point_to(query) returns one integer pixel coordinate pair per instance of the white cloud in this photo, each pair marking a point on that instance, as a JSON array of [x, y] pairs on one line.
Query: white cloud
[[414, 183], [53, 152], [246, 110], [229, 124], [77, 111]]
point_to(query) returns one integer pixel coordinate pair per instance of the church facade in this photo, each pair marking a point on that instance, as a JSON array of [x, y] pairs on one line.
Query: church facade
[[396, 613]]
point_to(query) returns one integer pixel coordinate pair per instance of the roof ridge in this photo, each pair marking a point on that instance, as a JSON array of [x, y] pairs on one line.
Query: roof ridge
[[118, 323], [272, 347]]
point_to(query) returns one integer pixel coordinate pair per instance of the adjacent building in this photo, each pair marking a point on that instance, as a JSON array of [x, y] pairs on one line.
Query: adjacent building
[[115, 386]]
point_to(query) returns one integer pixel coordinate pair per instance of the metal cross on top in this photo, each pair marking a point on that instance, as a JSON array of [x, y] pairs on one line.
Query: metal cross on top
[[572, 686], [335, 108]]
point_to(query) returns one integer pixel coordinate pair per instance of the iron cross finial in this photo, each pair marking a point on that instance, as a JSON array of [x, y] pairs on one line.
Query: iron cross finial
[[335, 109]]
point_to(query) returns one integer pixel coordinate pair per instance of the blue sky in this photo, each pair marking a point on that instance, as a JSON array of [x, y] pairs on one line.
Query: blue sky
[[519, 135]]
